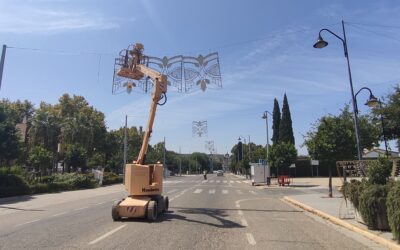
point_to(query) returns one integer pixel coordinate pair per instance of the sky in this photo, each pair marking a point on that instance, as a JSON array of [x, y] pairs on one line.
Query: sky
[[265, 50]]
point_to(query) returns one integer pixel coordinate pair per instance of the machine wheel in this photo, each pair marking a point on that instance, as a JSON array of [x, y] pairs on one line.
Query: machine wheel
[[114, 211], [166, 204], [152, 211]]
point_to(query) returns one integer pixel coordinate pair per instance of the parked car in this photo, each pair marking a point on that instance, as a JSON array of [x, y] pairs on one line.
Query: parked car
[[220, 173]]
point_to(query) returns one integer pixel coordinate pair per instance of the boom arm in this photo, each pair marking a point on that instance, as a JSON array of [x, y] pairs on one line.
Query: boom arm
[[160, 88], [134, 70]]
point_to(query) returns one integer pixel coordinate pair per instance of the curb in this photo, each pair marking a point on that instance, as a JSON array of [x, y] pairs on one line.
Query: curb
[[387, 243]]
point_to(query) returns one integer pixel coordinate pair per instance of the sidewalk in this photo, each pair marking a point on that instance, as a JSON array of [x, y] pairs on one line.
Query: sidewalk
[[335, 210]]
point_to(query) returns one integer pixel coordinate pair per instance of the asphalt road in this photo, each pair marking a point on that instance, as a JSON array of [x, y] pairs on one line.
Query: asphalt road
[[220, 213]]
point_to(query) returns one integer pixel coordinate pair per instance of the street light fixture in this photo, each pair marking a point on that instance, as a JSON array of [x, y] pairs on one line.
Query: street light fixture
[[265, 116], [374, 102], [321, 43]]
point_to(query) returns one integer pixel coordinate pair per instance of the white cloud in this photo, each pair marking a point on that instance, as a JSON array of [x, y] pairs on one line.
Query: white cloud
[[22, 18]]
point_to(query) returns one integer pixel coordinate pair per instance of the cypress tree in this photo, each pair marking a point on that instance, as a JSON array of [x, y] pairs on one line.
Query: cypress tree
[[285, 127], [276, 120]]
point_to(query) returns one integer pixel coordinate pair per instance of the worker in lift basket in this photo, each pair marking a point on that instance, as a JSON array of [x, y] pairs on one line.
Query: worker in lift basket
[[205, 175]]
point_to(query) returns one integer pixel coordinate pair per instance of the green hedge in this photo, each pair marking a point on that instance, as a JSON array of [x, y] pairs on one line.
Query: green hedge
[[352, 191], [111, 178], [372, 206], [12, 185], [393, 210]]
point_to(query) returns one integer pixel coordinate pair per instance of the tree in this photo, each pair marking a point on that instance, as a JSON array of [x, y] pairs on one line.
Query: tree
[[41, 159], [80, 124], [9, 140], [333, 138], [282, 155], [276, 120], [285, 126], [75, 156]]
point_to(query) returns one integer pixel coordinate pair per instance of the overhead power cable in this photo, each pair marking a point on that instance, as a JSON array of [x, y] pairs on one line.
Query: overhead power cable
[[223, 46], [376, 33]]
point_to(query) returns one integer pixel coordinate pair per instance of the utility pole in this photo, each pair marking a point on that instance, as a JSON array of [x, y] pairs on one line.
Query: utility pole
[[165, 167], [125, 145], [3, 57], [180, 162]]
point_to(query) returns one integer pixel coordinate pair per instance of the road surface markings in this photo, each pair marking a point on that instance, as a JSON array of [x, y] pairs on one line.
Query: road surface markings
[[218, 181], [81, 208], [171, 191], [204, 181], [27, 222], [239, 191], [211, 181], [211, 191], [54, 215], [240, 212], [197, 181], [225, 181], [238, 181], [232, 181], [238, 205], [100, 203], [250, 239], [244, 222], [251, 191], [198, 191], [106, 235], [225, 191]]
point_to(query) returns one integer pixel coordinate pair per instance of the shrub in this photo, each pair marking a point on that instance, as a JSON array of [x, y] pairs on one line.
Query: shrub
[[39, 188], [111, 178], [393, 210], [11, 185], [352, 191], [372, 206], [379, 171]]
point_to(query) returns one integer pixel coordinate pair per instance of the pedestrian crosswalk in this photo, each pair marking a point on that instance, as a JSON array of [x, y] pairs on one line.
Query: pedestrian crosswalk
[[206, 181], [214, 191]]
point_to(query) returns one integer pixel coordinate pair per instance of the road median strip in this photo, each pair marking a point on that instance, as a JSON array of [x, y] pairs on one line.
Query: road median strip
[[387, 243]]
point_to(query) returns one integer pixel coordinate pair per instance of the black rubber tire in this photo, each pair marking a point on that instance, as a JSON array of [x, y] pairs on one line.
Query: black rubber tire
[[166, 204], [114, 211], [152, 210]]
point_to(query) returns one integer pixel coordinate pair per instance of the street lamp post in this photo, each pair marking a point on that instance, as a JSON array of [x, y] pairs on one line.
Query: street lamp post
[[373, 102], [321, 43], [265, 116]]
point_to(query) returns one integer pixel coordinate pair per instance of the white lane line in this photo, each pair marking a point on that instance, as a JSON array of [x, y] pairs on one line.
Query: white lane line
[[244, 222], [211, 191], [204, 181], [198, 191], [218, 181], [232, 181], [81, 208], [171, 191], [238, 182], [225, 181], [211, 181], [54, 215], [27, 222], [239, 191], [250, 239], [240, 212], [251, 191], [225, 191], [106, 235], [100, 203]]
